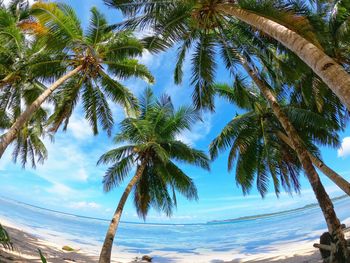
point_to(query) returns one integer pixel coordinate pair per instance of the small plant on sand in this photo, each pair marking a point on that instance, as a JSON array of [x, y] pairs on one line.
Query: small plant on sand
[[42, 258], [5, 239]]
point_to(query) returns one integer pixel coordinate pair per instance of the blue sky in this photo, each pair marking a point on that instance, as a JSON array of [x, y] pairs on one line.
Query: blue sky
[[70, 181]]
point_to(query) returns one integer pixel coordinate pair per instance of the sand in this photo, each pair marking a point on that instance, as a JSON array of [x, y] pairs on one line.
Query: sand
[[26, 250]]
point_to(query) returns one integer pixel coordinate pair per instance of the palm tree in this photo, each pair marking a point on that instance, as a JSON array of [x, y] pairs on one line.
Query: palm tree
[[150, 144], [322, 197], [269, 17], [258, 142], [21, 78], [94, 62], [203, 26]]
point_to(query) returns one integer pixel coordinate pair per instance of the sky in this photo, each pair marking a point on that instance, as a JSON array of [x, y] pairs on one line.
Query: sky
[[70, 181]]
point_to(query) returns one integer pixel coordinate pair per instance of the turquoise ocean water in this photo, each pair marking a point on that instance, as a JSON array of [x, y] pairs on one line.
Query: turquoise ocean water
[[252, 236]]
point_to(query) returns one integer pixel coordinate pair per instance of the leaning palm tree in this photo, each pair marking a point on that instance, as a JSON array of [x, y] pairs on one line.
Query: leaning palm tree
[[151, 146], [269, 17], [201, 26], [94, 64], [257, 141], [25, 65]]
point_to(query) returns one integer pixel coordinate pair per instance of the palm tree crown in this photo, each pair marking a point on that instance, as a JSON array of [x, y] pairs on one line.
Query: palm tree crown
[[105, 57], [253, 141], [150, 140], [22, 79], [200, 27], [82, 65]]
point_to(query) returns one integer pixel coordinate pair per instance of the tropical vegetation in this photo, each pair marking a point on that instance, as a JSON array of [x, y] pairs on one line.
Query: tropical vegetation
[[260, 148], [86, 65], [290, 66], [150, 143], [5, 238], [206, 25]]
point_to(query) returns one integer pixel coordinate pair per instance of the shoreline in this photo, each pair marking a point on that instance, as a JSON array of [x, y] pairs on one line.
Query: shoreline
[[26, 244]]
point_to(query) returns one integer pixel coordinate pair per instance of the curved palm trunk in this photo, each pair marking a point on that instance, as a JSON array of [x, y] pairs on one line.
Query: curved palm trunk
[[329, 172], [106, 251], [11, 134], [333, 223], [333, 74]]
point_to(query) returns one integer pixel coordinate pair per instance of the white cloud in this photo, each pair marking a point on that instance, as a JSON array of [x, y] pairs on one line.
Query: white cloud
[[60, 189], [84, 205], [344, 151], [82, 175], [200, 131], [151, 60], [66, 163], [79, 128]]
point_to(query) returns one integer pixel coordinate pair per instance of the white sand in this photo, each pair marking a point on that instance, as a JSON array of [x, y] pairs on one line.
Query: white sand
[[26, 247]]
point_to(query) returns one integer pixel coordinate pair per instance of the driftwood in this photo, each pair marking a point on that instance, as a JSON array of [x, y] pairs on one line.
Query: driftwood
[[331, 248], [327, 246]]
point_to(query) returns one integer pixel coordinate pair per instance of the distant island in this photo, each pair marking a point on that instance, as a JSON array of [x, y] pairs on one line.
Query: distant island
[[245, 218]]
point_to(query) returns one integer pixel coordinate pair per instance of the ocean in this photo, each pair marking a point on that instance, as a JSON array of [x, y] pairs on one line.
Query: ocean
[[176, 243]]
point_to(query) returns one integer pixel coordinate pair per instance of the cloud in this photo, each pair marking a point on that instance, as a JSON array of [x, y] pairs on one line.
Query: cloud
[[200, 131], [60, 189], [84, 205], [79, 128], [344, 150], [82, 175], [152, 61], [66, 163]]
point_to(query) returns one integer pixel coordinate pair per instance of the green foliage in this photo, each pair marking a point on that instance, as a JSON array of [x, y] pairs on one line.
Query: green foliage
[[24, 65], [150, 139], [255, 149], [202, 30], [106, 57], [42, 43], [5, 238], [42, 257], [28, 145]]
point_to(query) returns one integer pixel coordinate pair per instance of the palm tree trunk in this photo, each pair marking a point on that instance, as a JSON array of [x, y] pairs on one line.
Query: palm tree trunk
[[11, 134], [333, 74], [106, 251], [329, 172], [333, 223]]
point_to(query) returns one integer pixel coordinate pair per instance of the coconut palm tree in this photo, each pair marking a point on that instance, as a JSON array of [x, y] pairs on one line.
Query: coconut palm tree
[[270, 17], [94, 62], [23, 68], [202, 26], [260, 130], [150, 145], [324, 201]]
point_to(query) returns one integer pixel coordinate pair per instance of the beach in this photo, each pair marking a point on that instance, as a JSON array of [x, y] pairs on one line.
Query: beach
[[284, 237], [26, 246]]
